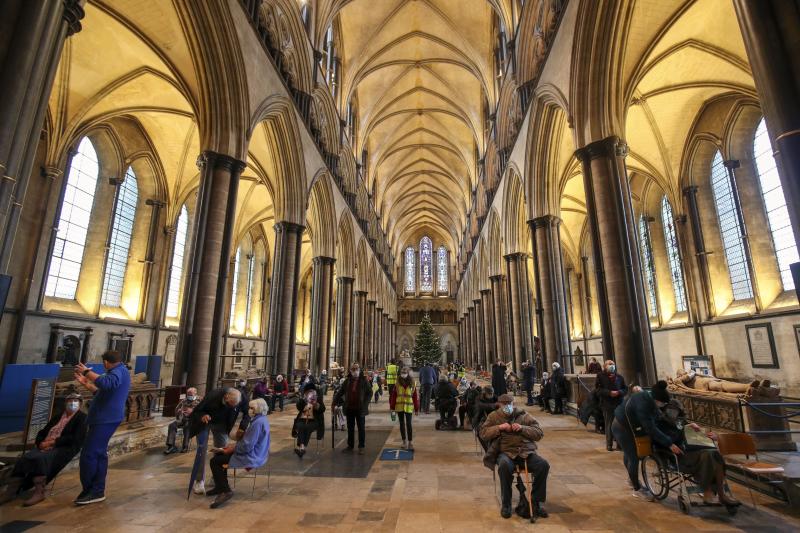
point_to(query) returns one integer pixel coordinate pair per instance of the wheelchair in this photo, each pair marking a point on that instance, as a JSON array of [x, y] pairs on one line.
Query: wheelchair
[[447, 415], [661, 473]]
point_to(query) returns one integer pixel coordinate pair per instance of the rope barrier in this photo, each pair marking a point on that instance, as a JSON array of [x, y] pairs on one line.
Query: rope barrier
[[782, 417]]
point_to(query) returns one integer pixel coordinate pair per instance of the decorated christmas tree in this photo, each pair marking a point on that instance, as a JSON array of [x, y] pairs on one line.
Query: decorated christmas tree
[[426, 345]]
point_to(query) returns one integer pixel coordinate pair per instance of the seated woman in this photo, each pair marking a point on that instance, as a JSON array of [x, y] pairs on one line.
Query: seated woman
[[704, 463], [56, 444], [250, 452], [310, 418]]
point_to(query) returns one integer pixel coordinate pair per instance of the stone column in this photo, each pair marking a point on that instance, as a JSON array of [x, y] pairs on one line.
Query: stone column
[[377, 352], [515, 308], [525, 309], [34, 35], [461, 339], [502, 331], [480, 333], [626, 327], [369, 330], [344, 320], [203, 307], [387, 334], [771, 33], [321, 299], [550, 294], [283, 298], [359, 333], [487, 305]]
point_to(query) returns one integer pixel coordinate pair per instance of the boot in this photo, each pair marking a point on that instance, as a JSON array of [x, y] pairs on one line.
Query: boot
[[39, 483], [11, 490]]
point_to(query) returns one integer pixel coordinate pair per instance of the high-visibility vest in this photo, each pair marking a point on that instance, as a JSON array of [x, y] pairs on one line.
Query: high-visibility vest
[[460, 373], [391, 374], [405, 399]]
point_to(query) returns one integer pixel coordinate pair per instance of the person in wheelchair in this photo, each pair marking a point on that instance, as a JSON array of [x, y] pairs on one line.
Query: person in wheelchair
[[512, 435], [446, 395], [702, 462]]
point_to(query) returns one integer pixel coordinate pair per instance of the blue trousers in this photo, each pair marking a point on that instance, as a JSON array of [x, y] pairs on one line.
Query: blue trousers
[[94, 457]]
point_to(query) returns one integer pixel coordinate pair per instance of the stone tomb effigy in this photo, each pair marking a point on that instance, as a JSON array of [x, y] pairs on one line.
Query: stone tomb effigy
[[140, 405]]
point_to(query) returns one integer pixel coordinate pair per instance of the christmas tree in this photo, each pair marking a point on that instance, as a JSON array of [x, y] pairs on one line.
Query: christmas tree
[[426, 345]]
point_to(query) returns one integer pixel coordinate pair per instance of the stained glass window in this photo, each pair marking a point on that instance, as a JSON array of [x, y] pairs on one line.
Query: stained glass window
[[410, 270], [673, 255], [647, 266], [730, 229], [73, 223], [441, 270], [425, 265], [121, 235], [235, 285], [251, 263], [775, 205], [176, 270]]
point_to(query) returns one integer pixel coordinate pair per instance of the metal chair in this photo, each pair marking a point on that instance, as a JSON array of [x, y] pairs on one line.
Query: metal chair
[[254, 476], [521, 484], [743, 444]]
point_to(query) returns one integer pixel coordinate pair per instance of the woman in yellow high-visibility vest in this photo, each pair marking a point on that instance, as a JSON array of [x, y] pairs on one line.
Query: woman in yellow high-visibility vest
[[404, 401]]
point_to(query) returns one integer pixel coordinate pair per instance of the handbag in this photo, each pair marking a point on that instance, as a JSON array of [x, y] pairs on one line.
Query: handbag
[[644, 444]]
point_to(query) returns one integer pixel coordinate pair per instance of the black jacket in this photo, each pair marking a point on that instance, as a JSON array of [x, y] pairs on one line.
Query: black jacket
[[604, 384], [559, 383], [527, 377], [319, 416], [446, 391], [483, 406], [639, 413], [499, 379], [219, 412], [364, 394], [68, 444]]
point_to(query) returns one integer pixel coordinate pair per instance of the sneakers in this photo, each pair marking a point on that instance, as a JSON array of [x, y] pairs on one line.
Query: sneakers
[[82, 494], [644, 494], [199, 487], [170, 450], [94, 497]]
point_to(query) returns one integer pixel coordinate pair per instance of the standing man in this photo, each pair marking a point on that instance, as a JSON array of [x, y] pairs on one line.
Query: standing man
[[391, 375], [559, 388], [611, 389], [528, 374], [106, 412], [499, 377], [427, 378], [353, 396]]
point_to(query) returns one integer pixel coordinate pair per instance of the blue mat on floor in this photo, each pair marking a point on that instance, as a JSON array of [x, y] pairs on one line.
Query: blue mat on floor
[[397, 454]]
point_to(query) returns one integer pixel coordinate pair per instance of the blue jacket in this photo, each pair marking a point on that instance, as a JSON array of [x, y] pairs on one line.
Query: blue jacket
[[427, 375], [108, 404], [252, 451]]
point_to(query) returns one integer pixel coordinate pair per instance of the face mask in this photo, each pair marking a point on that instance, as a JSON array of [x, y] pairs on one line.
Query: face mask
[[508, 409], [404, 375], [280, 379], [72, 406], [612, 368], [251, 412], [311, 397], [355, 373], [191, 398], [242, 384]]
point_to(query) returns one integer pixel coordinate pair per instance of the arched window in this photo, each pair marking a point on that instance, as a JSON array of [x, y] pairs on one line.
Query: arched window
[[411, 270], [425, 265], [121, 235], [235, 286], [647, 266], [73, 223], [441, 270], [176, 270], [775, 205], [673, 255], [251, 263], [731, 229]]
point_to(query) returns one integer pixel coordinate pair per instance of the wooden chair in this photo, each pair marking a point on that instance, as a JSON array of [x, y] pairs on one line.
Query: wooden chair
[[743, 444]]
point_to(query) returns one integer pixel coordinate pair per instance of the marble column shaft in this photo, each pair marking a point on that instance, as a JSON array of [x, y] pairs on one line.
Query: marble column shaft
[[626, 333], [550, 289], [480, 333], [515, 306], [204, 302], [487, 305], [369, 344], [377, 354], [283, 297], [344, 320], [501, 327], [321, 303], [359, 326]]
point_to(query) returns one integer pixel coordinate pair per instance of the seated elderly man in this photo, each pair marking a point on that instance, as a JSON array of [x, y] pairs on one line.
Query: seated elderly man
[[512, 435], [183, 412], [250, 452], [56, 445]]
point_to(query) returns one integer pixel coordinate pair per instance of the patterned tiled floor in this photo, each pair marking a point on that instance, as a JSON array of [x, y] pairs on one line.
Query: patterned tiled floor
[[445, 488]]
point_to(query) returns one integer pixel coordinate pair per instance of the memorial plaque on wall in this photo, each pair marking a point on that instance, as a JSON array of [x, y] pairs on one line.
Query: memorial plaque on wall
[[762, 345], [39, 408]]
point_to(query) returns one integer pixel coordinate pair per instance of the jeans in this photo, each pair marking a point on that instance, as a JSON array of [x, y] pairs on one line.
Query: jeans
[[353, 418], [219, 471], [94, 457], [172, 432], [405, 425], [279, 398], [427, 389], [538, 468], [625, 440]]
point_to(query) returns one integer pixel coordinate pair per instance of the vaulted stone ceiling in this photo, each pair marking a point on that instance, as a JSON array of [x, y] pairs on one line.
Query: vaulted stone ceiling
[[421, 74]]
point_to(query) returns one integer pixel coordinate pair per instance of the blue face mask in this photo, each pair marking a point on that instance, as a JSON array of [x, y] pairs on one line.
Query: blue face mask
[[508, 409], [612, 368]]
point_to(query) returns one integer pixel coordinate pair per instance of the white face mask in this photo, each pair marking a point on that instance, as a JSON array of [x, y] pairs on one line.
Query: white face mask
[[404, 375], [73, 406], [191, 398], [508, 408]]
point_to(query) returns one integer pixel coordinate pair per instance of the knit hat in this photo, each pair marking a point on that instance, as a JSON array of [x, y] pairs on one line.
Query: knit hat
[[505, 398], [659, 392]]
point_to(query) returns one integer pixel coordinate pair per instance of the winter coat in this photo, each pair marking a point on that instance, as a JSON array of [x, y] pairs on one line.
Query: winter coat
[[252, 451], [68, 444], [639, 413], [528, 374], [220, 413], [319, 416], [559, 383], [604, 384], [513, 444], [342, 396], [427, 375], [499, 379]]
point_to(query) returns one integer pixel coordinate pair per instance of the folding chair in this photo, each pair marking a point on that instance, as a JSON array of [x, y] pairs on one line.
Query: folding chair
[[743, 444], [521, 485], [254, 476]]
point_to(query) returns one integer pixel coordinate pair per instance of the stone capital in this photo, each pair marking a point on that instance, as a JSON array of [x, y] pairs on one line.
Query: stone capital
[[486, 291], [216, 161], [288, 227], [73, 13], [345, 280], [323, 260], [497, 278], [516, 256], [363, 294], [609, 147], [544, 221]]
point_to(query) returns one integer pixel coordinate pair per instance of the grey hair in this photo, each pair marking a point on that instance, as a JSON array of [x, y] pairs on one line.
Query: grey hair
[[230, 391], [259, 406]]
